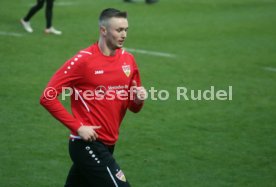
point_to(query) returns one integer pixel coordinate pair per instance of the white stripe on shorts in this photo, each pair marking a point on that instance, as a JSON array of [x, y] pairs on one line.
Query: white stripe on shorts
[[112, 176]]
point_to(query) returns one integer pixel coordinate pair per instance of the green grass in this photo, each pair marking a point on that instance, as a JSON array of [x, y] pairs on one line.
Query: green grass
[[217, 43]]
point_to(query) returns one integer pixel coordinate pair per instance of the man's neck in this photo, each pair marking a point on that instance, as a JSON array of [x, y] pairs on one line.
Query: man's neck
[[105, 49]]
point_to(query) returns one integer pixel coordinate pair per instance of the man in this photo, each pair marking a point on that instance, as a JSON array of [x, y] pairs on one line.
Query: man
[[104, 81]]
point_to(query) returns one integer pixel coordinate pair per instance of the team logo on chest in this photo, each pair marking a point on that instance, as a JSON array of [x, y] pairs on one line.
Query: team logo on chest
[[126, 69]]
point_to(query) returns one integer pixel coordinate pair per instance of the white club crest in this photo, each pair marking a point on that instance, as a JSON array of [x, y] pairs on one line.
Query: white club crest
[[126, 69]]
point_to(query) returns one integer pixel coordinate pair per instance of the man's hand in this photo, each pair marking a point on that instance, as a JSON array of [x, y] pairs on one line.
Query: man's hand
[[140, 93], [88, 133]]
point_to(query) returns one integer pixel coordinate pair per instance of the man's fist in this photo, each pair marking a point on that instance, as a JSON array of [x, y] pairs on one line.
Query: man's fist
[[140, 93]]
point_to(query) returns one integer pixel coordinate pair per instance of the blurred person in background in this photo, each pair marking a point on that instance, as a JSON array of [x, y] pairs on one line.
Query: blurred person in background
[[48, 15], [146, 1]]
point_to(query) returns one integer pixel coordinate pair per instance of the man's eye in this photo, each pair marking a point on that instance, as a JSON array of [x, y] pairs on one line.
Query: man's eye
[[120, 30]]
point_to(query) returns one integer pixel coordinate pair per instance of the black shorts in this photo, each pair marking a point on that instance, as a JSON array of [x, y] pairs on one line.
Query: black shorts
[[94, 166]]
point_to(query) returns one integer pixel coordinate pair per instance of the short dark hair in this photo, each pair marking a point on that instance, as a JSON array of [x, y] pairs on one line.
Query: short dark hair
[[110, 13]]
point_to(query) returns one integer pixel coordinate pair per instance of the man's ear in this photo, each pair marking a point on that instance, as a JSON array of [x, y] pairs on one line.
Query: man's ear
[[103, 30]]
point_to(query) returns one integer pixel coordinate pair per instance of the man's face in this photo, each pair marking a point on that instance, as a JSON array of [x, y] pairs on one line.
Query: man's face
[[116, 32]]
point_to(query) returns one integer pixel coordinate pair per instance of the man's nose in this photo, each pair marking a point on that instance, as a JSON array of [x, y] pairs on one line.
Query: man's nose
[[124, 34]]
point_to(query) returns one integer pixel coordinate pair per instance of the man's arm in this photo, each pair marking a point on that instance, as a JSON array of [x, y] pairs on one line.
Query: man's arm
[[65, 77], [138, 93]]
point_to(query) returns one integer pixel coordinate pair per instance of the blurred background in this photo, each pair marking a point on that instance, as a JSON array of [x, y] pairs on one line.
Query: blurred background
[[177, 43]]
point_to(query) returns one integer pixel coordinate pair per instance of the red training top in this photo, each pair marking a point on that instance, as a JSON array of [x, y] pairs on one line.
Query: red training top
[[99, 86]]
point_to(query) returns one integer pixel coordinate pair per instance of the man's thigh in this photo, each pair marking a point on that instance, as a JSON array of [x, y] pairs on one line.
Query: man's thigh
[[97, 166], [74, 178]]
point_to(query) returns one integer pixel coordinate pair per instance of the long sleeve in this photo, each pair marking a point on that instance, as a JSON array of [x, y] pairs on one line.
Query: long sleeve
[[67, 76]]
